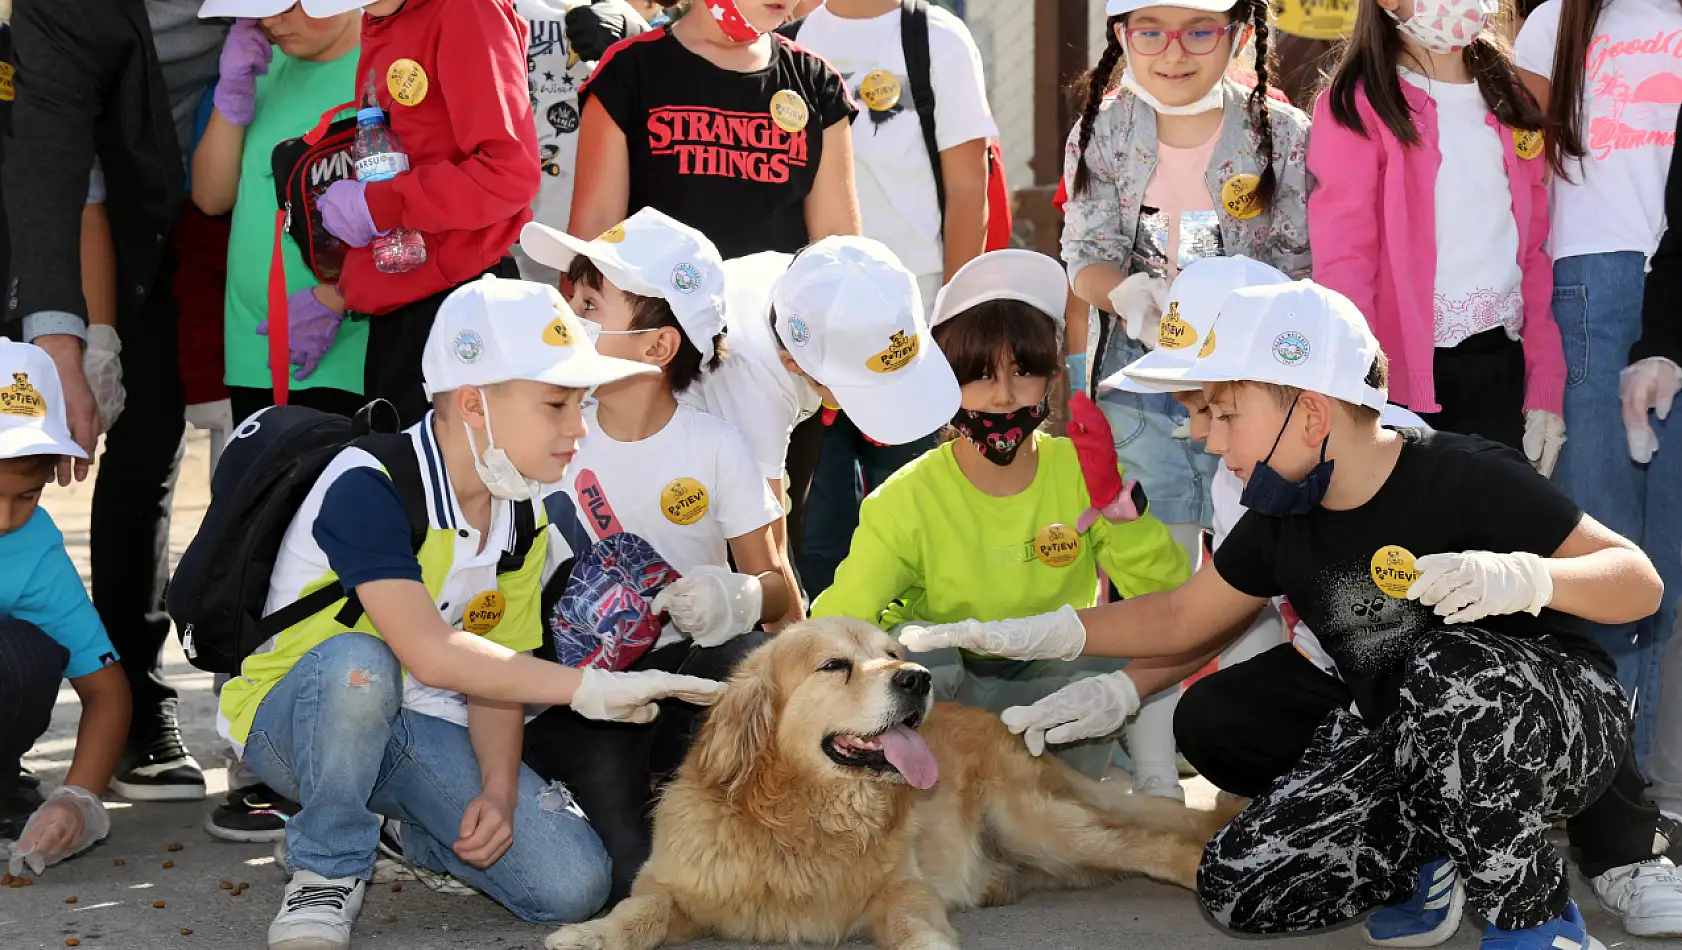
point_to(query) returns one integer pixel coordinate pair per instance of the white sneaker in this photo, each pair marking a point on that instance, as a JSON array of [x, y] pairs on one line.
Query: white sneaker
[[317, 913], [1159, 786], [1646, 896], [392, 866]]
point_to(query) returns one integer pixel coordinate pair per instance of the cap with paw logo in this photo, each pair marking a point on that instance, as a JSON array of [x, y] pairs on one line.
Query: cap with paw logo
[[1194, 300], [650, 254], [493, 330], [32, 419], [851, 316]]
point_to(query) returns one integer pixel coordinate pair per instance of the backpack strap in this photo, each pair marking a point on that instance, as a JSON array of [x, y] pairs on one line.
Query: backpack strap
[[525, 535], [563, 514], [914, 40]]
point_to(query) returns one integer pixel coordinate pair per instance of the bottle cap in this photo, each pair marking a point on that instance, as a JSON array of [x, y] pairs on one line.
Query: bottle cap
[[372, 115]]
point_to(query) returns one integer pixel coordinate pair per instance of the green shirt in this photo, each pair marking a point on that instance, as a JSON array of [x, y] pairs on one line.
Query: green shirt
[[930, 546], [290, 101]]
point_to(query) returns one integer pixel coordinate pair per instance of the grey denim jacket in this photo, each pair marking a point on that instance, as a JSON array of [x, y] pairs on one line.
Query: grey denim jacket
[[1100, 225]]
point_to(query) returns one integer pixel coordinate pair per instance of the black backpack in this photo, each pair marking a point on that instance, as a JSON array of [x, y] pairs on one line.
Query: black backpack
[[217, 594]]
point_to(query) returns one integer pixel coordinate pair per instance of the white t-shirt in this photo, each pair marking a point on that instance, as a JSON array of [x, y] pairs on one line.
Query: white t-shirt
[[1478, 278], [687, 490], [1632, 86], [891, 163], [751, 389], [553, 75]]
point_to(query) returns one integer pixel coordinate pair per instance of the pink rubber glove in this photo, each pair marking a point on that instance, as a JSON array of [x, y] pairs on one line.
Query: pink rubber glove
[[313, 328], [245, 56], [345, 214], [1095, 447]]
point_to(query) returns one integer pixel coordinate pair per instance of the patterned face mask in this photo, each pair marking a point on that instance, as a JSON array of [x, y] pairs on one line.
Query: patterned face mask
[[998, 436], [1446, 26], [730, 19]]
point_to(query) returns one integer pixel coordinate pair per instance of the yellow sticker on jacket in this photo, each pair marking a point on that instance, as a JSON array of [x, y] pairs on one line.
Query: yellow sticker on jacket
[[1174, 333], [1057, 545], [1527, 142], [789, 111], [22, 399], [484, 612], [1392, 570], [684, 501], [1241, 196], [407, 82]]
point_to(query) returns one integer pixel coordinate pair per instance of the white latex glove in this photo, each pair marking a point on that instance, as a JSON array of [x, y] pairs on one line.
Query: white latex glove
[[1095, 706], [104, 370], [1476, 584], [712, 605], [1544, 433], [1055, 636], [212, 416], [630, 697], [69, 822], [1647, 386], [1139, 300]]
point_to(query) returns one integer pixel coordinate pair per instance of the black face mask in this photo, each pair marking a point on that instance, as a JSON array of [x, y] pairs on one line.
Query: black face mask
[[998, 436], [1269, 493]]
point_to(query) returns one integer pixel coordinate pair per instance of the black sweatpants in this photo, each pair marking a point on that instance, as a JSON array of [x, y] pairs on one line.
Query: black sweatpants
[[1493, 739], [615, 770], [31, 669], [1480, 385], [396, 340]]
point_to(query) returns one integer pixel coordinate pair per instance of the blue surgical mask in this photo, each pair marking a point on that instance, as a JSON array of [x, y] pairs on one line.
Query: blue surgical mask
[[1270, 493]]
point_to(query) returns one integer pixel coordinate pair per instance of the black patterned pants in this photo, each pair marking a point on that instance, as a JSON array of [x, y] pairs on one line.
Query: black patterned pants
[[1495, 738]]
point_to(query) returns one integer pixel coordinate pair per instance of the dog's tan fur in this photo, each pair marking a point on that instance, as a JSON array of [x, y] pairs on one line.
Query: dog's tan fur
[[762, 837]]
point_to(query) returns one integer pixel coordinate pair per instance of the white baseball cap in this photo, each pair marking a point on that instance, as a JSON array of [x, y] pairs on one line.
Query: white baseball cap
[[651, 254], [1297, 334], [1121, 7], [1009, 274], [32, 420], [1194, 300], [852, 317], [244, 9], [494, 330]]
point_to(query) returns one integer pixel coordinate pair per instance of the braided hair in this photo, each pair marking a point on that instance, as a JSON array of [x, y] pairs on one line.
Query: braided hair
[[1258, 16], [1097, 81]]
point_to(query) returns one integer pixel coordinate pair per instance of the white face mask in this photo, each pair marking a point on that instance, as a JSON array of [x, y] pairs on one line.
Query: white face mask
[[1214, 99], [496, 469], [1446, 26], [594, 332]]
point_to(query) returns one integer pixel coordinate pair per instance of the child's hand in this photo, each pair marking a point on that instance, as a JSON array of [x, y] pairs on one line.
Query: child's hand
[[1059, 635], [312, 329], [71, 821], [1473, 585], [487, 830], [245, 56], [1095, 706], [104, 369], [1544, 434], [712, 605], [1649, 385], [345, 214], [630, 697], [1138, 301]]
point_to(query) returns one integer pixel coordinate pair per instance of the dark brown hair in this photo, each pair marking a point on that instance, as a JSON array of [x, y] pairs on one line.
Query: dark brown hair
[[39, 466], [1098, 80], [654, 313], [978, 339], [1378, 377], [1375, 49]]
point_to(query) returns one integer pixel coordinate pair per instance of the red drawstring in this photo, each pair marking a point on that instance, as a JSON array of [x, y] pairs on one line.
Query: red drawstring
[[280, 362]]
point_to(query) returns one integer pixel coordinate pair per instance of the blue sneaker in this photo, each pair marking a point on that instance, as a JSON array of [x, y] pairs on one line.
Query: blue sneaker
[[1428, 918], [1565, 932]]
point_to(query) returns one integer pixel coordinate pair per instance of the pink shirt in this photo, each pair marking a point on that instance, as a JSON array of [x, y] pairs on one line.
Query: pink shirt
[[1372, 231], [1177, 190]]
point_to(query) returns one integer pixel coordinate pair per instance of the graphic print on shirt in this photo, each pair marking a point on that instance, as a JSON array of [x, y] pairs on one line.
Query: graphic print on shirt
[[751, 145], [1188, 236], [1365, 627], [1633, 90], [883, 94]]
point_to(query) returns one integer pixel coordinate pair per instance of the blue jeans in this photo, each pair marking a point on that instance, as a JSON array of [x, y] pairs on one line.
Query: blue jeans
[[315, 740], [1177, 473], [832, 504], [1597, 303]]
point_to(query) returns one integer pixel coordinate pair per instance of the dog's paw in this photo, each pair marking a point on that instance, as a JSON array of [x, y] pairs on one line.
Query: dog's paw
[[576, 937], [927, 941]]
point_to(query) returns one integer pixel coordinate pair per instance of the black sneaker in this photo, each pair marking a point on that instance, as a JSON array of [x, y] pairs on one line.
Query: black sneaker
[[156, 766], [254, 814], [1670, 828]]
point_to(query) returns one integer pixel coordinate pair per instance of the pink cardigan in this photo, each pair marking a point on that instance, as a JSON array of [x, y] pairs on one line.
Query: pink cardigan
[[1372, 231]]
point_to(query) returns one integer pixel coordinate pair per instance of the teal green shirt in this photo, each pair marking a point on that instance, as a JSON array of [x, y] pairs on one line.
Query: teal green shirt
[[290, 100]]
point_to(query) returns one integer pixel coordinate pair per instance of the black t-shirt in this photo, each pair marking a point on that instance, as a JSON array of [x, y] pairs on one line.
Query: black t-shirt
[[1347, 572], [708, 148]]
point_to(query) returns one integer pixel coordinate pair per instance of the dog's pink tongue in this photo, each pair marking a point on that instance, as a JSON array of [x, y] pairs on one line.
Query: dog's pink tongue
[[907, 751]]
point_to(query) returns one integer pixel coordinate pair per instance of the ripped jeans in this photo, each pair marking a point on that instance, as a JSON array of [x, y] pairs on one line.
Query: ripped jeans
[[317, 738]]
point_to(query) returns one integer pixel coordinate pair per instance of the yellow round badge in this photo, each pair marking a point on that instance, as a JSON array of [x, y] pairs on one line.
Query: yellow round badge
[[613, 235], [483, 612], [1527, 142], [1174, 333], [880, 91], [407, 82], [684, 501], [789, 111], [1057, 545], [1392, 570], [1208, 344], [556, 333], [1240, 196]]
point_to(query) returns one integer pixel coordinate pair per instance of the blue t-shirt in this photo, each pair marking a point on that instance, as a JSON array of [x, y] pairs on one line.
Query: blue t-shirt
[[51, 596]]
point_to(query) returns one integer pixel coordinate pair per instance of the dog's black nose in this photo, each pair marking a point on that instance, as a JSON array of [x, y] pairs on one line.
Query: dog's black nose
[[913, 681]]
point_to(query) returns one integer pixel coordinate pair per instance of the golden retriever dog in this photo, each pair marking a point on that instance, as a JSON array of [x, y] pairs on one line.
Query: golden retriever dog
[[828, 794]]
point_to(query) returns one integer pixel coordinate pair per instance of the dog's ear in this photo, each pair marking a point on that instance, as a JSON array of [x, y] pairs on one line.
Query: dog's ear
[[737, 733]]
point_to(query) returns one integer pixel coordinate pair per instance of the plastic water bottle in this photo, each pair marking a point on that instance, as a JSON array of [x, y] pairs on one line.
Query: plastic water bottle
[[379, 156]]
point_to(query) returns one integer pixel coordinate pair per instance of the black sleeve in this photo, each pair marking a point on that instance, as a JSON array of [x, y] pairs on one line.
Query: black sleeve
[[834, 103], [1515, 506], [615, 86], [1661, 307], [1245, 559], [59, 81]]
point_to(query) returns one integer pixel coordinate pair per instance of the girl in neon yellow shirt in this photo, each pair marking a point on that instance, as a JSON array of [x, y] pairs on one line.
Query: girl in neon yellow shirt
[[984, 526]]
